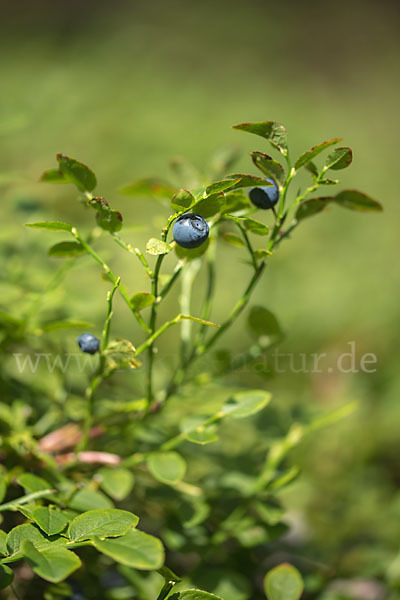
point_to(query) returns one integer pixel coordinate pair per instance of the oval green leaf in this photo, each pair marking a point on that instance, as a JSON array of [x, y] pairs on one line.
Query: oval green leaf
[[25, 532], [135, 549], [152, 187], [142, 300], [355, 200], [284, 582], [167, 467], [110, 522], [87, 499], [197, 595], [244, 404], [33, 483], [49, 519], [51, 225], [272, 131], [182, 200], [315, 150], [313, 206], [77, 173], [66, 249], [117, 482], [157, 247], [270, 167], [340, 158], [263, 323], [6, 576], [52, 564]]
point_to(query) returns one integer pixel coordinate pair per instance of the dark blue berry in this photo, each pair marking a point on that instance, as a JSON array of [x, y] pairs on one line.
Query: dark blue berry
[[88, 343], [190, 230], [265, 197]]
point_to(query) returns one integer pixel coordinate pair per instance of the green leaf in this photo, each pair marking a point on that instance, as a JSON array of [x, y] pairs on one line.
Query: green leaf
[[119, 354], [51, 225], [210, 206], [254, 226], [110, 522], [192, 253], [202, 434], [135, 549], [246, 181], [3, 543], [87, 499], [315, 150], [49, 519], [270, 167], [142, 300], [117, 482], [313, 206], [106, 218], [52, 564], [27, 531], [6, 576], [340, 158], [196, 595], [32, 483], [312, 168], [182, 200], [53, 176], [262, 253], [284, 582], [66, 249], [263, 323], [272, 131], [58, 325], [157, 247], [221, 186], [244, 404], [233, 239], [355, 200], [152, 187], [77, 173], [167, 467], [236, 201]]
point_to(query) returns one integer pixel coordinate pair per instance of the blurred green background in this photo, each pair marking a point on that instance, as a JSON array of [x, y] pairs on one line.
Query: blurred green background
[[126, 86]]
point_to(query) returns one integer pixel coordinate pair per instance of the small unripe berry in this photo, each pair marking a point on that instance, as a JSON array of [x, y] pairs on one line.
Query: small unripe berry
[[88, 343], [265, 197], [190, 230]]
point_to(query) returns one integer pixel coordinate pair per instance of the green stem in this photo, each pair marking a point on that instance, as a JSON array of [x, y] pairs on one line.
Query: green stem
[[101, 375], [167, 587], [150, 340], [248, 244], [185, 307], [25, 499], [87, 425], [177, 271], [111, 276], [153, 315], [135, 252]]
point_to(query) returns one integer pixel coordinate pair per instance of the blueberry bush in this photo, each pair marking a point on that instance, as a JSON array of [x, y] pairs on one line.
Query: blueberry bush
[[143, 485]]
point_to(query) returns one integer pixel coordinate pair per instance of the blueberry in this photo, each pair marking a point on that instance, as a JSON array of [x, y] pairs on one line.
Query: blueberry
[[265, 197], [88, 343], [190, 231]]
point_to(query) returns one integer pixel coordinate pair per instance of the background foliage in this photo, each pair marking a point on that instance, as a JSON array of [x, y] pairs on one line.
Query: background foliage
[[125, 87]]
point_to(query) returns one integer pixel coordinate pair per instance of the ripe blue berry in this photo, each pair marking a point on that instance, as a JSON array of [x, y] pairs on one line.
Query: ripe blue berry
[[190, 230], [88, 343], [265, 197]]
